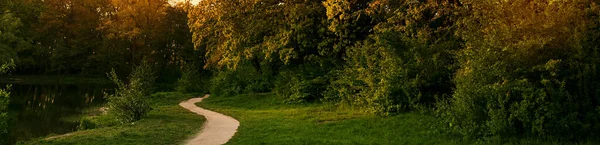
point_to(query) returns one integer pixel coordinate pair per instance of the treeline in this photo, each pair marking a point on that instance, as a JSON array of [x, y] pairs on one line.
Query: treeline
[[90, 37], [490, 68]]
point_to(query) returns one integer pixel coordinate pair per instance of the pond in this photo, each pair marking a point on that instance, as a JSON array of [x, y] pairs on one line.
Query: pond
[[38, 110]]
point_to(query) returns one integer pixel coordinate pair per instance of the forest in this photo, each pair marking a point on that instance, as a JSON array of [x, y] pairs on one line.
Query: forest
[[486, 69]]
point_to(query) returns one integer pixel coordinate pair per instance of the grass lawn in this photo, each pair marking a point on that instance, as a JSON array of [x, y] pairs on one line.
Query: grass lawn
[[167, 123], [265, 119]]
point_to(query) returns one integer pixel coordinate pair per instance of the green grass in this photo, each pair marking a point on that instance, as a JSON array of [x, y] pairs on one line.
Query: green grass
[[167, 123], [264, 119]]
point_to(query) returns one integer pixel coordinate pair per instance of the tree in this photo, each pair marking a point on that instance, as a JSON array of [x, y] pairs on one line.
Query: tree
[[524, 69], [9, 42], [406, 63], [349, 21], [10, 39], [67, 33], [138, 25]]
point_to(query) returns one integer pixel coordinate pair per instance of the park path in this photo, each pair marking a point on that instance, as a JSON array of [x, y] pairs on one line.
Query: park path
[[218, 128]]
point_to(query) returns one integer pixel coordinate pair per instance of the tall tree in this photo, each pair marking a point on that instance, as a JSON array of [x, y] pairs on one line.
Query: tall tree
[[138, 24], [10, 40], [67, 32]]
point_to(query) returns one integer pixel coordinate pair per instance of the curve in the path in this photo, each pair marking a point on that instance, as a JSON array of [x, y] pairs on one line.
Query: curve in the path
[[218, 128]]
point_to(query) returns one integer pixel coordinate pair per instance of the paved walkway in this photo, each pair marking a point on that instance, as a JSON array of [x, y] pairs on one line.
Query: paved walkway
[[218, 128]]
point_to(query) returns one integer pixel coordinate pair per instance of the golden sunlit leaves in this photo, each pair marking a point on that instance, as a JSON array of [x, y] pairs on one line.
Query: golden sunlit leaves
[[236, 31], [521, 60], [524, 28], [129, 18], [138, 21]]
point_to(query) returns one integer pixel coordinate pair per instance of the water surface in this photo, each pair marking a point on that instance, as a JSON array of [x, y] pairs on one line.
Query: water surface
[[38, 110]]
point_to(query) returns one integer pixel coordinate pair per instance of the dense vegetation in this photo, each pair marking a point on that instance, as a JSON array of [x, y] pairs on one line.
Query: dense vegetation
[[4, 118], [488, 69], [129, 101]]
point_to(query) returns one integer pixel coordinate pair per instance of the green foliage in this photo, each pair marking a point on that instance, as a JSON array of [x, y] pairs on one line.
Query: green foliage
[[4, 102], [490, 68], [405, 65], [86, 123], [4, 118], [306, 83], [244, 79], [67, 37], [7, 66], [10, 41], [368, 80], [129, 102], [529, 78], [191, 80]]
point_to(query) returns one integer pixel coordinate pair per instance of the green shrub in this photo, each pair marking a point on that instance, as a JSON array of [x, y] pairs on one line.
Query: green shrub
[[4, 102], [525, 79], [367, 81], [86, 123], [190, 80], [405, 65], [390, 74], [129, 102], [244, 79], [4, 118], [304, 83]]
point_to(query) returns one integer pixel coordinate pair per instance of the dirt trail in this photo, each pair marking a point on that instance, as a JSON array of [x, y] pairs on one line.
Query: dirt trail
[[218, 128]]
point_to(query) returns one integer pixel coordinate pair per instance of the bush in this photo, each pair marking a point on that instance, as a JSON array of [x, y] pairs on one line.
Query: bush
[[368, 80], [4, 118], [244, 79], [525, 79], [129, 102], [406, 64], [4, 102], [389, 74], [304, 83], [86, 123], [190, 80]]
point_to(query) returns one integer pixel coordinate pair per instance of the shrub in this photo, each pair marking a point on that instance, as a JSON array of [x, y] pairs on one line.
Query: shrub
[[244, 79], [129, 102], [4, 102], [303, 83], [190, 80], [4, 118], [367, 81], [525, 79], [389, 74], [405, 64], [86, 123]]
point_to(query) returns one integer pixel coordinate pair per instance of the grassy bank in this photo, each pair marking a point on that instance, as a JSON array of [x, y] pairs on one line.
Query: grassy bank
[[167, 123], [264, 119]]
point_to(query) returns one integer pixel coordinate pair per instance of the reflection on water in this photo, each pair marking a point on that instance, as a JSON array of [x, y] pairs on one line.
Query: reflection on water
[[39, 110]]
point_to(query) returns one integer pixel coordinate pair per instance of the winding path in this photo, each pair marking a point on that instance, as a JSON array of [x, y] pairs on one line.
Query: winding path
[[218, 128]]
